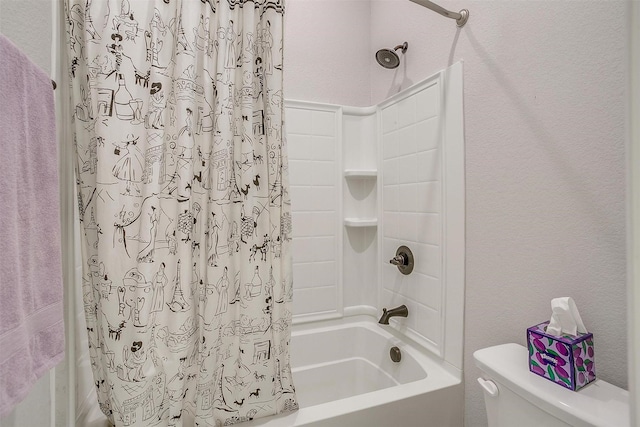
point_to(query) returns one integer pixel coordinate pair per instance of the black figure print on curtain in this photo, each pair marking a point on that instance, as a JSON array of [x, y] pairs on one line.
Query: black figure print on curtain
[[183, 196]]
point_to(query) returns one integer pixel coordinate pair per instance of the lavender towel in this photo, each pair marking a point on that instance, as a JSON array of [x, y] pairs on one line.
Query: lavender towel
[[31, 308]]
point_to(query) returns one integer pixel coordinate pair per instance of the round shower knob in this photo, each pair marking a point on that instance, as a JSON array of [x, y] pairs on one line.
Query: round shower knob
[[403, 260]]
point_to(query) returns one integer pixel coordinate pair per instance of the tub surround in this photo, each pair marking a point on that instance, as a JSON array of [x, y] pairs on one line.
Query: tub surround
[[398, 181], [313, 143]]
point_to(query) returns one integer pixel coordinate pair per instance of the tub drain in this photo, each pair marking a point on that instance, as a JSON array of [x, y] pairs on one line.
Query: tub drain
[[395, 354]]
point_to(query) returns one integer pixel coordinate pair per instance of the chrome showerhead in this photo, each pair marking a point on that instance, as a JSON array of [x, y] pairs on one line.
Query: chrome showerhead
[[389, 58]]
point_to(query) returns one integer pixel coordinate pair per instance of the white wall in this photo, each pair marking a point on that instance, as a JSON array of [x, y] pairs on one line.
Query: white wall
[[544, 93]]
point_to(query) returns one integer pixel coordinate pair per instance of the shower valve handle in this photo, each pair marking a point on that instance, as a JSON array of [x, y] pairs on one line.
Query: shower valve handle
[[403, 260], [400, 259]]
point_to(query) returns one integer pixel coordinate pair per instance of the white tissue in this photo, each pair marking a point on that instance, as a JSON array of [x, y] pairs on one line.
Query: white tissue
[[565, 318]]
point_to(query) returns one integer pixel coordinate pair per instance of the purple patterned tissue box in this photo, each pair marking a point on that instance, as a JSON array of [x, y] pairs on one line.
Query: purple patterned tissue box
[[567, 360]]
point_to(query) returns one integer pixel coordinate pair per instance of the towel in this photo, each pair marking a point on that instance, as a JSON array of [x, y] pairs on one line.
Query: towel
[[31, 297]]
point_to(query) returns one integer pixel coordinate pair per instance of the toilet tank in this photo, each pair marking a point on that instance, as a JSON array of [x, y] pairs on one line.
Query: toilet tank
[[516, 397]]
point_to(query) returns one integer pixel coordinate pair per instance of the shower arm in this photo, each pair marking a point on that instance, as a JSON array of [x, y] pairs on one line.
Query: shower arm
[[461, 17]]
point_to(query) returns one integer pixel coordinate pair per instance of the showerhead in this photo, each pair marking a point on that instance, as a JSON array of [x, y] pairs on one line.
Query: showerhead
[[389, 58]]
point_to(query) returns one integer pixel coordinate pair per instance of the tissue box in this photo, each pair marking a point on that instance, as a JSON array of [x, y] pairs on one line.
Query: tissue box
[[566, 360]]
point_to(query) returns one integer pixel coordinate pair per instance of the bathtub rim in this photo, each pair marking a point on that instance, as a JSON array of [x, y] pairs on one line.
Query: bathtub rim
[[394, 324], [365, 316], [440, 375]]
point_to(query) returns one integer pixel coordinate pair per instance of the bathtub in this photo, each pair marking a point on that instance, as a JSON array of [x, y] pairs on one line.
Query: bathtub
[[344, 377]]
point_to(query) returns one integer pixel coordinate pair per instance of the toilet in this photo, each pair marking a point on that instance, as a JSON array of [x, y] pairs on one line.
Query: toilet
[[516, 397]]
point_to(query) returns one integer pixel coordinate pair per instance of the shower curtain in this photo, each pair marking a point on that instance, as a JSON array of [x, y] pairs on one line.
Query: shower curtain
[[184, 207]]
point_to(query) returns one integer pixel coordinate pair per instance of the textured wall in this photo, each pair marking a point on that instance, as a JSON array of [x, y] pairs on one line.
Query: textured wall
[[326, 51], [545, 86], [28, 24]]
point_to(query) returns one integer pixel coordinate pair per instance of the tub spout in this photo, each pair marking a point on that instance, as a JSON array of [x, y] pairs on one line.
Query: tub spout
[[401, 311]]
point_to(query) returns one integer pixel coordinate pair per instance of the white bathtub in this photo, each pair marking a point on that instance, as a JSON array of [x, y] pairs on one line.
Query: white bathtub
[[344, 377]]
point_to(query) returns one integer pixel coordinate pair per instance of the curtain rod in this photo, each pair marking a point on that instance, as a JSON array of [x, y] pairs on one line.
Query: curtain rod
[[460, 17]]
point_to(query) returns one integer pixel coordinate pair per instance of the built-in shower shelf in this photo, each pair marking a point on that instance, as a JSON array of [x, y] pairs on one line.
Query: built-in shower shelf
[[360, 222], [360, 173]]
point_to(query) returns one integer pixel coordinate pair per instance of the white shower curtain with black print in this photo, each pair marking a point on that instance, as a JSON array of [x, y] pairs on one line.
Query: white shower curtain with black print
[[183, 198]]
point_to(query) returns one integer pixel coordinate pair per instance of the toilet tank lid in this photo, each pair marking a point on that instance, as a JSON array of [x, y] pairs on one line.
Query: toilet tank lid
[[597, 404]]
